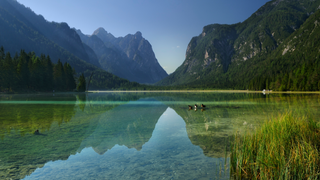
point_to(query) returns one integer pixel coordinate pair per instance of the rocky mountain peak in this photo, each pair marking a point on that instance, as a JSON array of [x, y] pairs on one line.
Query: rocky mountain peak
[[138, 34], [100, 30], [129, 57], [103, 34]]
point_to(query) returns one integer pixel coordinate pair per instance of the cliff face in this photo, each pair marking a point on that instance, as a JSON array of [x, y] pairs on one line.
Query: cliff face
[[139, 50], [130, 57], [220, 49]]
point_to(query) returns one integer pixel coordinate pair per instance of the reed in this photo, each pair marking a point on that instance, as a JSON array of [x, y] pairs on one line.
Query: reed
[[285, 147]]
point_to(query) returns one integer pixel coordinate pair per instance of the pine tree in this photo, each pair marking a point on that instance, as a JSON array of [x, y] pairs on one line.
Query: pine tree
[[36, 73], [2, 53], [48, 66], [82, 83], [70, 82], [58, 76], [1, 73], [23, 70], [8, 72]]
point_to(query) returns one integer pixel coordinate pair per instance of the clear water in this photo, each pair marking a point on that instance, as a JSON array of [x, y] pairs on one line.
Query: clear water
[[132, 135]]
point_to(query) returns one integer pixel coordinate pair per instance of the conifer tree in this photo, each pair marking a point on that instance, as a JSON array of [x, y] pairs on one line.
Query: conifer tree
[[48, 66], [8, 72], [70, 82], [1, 73], [2, 53], [58, 76], [36, 75], [23, 70], [82, 84]]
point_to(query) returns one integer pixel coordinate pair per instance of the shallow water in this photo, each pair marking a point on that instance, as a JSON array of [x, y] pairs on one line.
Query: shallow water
[[132, 135]]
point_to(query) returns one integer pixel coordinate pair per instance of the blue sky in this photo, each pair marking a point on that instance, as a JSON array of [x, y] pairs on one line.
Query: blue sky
[[168, 25]]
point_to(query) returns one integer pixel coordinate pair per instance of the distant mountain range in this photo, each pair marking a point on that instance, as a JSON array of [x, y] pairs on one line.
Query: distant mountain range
[[276, 48], [130, 57], [21, 28]]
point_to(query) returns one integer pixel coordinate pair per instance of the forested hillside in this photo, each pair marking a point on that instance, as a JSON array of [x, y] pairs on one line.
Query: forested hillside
[[276, 48], [294, 65]]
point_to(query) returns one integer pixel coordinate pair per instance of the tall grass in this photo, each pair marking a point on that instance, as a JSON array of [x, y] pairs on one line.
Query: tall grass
[[285, 147]]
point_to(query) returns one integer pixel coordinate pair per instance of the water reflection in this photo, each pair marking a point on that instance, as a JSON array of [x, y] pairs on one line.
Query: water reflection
[[228, 113], [130, 124], [168, 154], [120, 135], [25, 115]]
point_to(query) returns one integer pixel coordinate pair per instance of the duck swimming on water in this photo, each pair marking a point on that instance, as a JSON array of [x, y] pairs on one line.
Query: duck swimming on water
[[195, 106], [203, 106], [190, 107]]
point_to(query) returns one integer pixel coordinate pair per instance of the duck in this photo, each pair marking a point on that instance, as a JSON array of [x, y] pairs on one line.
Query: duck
[[203, 106], [190, 107], [195, 106], [36, 132]]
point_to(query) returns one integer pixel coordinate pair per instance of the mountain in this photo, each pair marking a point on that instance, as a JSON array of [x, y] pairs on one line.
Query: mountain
[[235, 56], [21, 29], [117, 63], [17, 33], [130, 57], [59, 33]]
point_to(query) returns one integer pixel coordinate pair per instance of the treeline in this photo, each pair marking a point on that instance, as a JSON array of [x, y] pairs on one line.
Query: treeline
[[284, 76], [102, 80], [304, 78], [28, 72]]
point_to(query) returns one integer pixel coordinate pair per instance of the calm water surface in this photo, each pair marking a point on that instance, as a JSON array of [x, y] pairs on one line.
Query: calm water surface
[[132, 135]]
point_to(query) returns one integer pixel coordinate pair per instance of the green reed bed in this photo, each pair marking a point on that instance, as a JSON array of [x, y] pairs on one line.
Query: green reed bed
[[285, 147]]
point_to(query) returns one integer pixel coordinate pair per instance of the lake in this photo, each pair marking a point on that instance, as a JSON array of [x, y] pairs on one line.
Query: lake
[[132, 135]]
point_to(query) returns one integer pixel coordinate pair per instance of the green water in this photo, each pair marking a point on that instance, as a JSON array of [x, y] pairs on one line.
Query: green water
[[131, 135]]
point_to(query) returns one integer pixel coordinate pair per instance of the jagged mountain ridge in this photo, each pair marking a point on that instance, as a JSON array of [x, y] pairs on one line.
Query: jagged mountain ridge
[[18, 33], [59, 33], [116, 58], [22, 29], [219, 50], [130, 57]]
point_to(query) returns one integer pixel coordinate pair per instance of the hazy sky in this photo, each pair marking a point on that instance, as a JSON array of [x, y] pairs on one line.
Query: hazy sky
[[168, 25]]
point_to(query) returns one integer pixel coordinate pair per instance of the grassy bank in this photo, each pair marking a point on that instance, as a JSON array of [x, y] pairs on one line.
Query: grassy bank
[[285, 147]]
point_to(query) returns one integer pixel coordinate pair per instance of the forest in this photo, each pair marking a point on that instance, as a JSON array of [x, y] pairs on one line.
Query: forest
[[26, 72]]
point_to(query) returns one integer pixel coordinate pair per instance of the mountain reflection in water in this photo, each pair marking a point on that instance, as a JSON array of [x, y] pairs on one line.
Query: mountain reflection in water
[[168, 153], [130, 135], [130, 124]]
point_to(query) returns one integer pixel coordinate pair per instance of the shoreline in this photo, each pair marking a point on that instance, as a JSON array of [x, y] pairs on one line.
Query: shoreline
[[205, 91], [167, 91]]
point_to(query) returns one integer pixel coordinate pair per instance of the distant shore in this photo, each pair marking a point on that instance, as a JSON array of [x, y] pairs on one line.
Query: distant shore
[[209, 91], [169, 91]]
